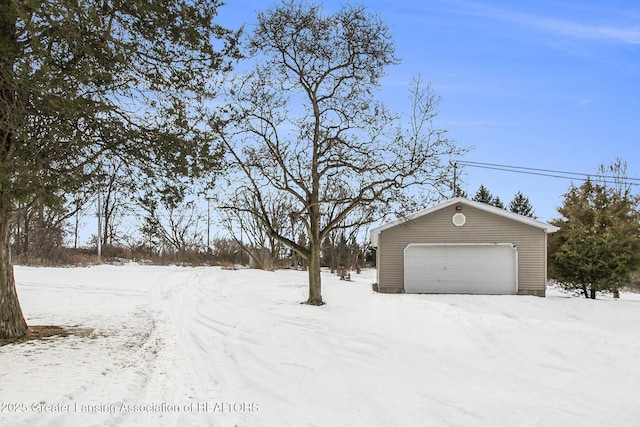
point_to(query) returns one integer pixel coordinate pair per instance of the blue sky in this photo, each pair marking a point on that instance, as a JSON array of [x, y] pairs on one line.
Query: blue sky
[[540, 84]]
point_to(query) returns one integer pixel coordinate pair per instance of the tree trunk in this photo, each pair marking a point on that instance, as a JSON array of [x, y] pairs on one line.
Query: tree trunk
[[586, 291], [315, 241], [12, 323], [315, 287], [592, 293]]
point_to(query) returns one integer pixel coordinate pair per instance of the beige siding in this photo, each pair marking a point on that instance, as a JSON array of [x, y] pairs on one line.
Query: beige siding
[[480, 227]]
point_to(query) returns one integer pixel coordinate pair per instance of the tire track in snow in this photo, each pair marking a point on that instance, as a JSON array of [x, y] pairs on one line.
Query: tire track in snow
[[189, 368]]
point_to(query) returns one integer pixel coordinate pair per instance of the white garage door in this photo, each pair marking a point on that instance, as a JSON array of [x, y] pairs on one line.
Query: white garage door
[[461, 268]]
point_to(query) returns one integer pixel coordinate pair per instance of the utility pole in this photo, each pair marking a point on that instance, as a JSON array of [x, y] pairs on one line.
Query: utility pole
[[99, 229], [241, 244], [208, 199], [455, 180]]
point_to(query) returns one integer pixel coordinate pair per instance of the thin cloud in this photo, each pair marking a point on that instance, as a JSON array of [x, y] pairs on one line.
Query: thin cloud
[[481, 123], [611, 33], [581, 31]]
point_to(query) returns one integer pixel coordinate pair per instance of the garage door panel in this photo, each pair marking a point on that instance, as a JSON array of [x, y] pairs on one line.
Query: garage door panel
[[461, 268]]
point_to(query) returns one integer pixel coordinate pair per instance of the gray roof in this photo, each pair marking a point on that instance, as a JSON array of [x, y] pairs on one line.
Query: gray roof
[[548, 228]]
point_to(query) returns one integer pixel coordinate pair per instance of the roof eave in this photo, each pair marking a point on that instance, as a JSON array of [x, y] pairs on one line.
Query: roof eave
[[547, 228]]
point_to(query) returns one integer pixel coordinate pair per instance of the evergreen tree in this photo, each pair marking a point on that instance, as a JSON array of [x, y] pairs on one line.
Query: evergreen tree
[[521, 205], [81, 81], [459, 192], [497, 202], [483, 195], [598, 245]]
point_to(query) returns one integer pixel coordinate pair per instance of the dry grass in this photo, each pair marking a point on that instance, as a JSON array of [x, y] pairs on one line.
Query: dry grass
[[45, 332]]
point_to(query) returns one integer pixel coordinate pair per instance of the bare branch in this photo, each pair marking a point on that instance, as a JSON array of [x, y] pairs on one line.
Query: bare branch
[[308, 129]]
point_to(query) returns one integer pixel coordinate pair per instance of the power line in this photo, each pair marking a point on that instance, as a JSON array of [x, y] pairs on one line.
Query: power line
[[578, 176]]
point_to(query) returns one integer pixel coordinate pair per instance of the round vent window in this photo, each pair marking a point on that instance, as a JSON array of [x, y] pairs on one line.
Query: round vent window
[[459, 219]]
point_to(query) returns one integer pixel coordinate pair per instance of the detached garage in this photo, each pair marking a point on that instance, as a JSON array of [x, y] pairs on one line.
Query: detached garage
[[463, 247]]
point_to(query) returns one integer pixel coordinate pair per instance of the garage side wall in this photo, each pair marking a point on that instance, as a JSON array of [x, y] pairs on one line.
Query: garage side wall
[[480, 227]]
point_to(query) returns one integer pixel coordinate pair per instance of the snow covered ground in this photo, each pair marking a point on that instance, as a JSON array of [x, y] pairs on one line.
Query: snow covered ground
[[176, 346]]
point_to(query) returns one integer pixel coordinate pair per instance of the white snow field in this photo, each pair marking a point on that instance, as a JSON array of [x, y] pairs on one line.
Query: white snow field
[[174, 346]]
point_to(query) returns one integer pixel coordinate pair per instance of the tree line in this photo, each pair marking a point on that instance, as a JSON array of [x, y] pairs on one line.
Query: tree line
[[520, 203]]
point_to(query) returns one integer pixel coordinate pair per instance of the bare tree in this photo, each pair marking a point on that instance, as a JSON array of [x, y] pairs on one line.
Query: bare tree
[[307, 126], [40, 230], [615, 175], [341, 242], [177, 224], [246, 228], [117, 186]]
